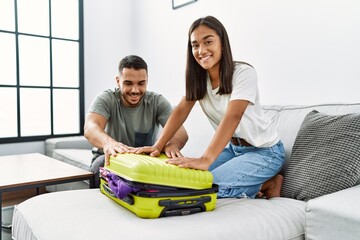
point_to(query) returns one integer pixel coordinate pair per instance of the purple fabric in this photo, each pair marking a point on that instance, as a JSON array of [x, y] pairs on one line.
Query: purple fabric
[[118, 186]]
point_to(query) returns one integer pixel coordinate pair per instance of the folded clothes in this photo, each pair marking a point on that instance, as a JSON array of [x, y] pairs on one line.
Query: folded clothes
[[103, 172], [118, 186]]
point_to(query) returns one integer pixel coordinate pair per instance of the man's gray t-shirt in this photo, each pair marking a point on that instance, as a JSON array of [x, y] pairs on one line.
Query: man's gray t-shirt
[[136, 126]]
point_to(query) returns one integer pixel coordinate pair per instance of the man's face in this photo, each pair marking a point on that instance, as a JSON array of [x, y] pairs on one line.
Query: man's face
[[132, 84]]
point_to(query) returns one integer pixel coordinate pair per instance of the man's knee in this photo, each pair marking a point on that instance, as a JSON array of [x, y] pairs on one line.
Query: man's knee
[[94, 168], [97, 163]]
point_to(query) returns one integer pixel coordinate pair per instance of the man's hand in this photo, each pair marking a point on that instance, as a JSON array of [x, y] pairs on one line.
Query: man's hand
[[185, 162], [172, 150], [153, 151], [113, 148]]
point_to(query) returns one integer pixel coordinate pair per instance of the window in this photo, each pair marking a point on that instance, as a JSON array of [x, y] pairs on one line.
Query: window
[[41, 69]]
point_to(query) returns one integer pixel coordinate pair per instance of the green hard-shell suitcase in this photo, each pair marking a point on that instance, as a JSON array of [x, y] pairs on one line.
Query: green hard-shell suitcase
[[162, 189]]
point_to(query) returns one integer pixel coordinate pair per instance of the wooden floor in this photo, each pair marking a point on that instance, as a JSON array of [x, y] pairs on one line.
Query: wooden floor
[[16, 197]]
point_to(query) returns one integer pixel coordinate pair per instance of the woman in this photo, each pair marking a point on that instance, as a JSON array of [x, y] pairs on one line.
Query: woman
[[245, 153]]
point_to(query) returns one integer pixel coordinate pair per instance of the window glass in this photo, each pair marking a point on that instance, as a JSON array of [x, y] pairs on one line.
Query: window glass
[[66, 111], [33, 16], [65, 19], [7, 59], [8, 116], [41, 69], [35, 111], [7, 13], [65, 63], [34, 58]]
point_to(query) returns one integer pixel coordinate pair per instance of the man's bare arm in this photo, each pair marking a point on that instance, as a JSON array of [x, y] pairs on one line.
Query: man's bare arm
[[94, 131]]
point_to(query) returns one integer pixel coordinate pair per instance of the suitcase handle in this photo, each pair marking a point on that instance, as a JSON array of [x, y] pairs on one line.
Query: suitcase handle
[[184, 206], [181, 212], [191, 202], [108, 190]]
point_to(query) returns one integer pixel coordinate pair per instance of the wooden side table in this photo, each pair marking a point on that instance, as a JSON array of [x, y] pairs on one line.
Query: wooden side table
[[36, 170]]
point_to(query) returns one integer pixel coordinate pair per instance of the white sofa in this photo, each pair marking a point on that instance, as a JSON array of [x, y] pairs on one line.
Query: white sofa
[[88, 214]]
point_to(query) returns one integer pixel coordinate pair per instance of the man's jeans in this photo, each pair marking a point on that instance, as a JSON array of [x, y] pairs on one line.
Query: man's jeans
[[240, 171], [98, 161]]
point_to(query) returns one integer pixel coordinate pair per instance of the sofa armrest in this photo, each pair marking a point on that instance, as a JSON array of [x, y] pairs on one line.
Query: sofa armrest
[[77, 142], [334, 216]]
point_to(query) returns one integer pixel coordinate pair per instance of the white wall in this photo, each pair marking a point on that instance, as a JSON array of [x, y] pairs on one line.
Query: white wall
[[108, 35], [305, 51], [20, 148]]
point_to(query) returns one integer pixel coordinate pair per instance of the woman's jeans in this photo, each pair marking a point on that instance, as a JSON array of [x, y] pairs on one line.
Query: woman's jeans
[[240, 171]]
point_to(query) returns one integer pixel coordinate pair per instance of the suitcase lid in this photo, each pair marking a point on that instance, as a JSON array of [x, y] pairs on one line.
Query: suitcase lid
[[154, 170]]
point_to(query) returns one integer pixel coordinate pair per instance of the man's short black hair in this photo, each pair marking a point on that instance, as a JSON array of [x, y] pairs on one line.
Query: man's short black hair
[[132, 61]]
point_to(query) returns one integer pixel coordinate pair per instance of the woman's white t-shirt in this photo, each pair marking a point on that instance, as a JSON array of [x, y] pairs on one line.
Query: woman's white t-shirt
[[255, 127]]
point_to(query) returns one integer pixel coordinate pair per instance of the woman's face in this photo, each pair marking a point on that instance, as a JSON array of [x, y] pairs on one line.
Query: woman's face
[[206, 47]]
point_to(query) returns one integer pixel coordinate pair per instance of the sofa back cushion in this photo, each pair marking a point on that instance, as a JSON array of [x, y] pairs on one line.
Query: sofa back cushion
[[290, 117]]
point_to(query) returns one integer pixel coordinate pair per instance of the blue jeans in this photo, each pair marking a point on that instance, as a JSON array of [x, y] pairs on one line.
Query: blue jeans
[[240, 171]]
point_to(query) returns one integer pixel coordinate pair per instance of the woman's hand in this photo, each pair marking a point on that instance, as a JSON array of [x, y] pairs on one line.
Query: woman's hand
[[186, 162]]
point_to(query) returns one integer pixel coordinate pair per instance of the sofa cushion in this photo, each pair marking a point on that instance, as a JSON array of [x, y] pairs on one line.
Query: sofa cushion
[[67, 215], [325, 157], [334, 216], [76, 142], [77, 157], [288, 119]]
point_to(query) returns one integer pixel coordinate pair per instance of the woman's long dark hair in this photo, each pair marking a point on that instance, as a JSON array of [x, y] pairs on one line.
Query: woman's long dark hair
[[196, 75]]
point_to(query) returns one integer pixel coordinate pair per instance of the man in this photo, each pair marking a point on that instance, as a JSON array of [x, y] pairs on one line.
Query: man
[[128, 116]]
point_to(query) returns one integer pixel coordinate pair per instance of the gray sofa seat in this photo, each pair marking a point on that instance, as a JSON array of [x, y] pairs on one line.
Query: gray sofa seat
[[80, 158], [72, 150], [77, 142], [334, 216]]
